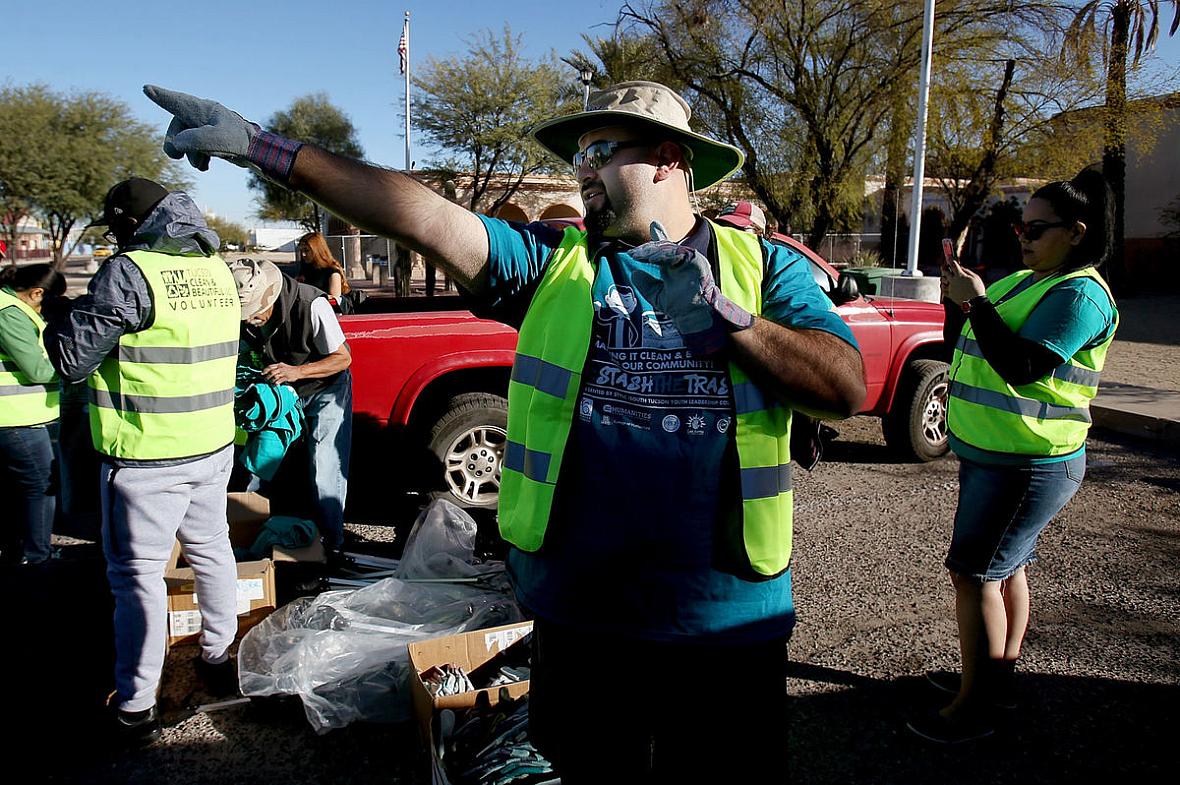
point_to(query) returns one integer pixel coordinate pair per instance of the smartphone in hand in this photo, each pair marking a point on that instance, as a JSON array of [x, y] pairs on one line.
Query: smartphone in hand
[[948, 251]]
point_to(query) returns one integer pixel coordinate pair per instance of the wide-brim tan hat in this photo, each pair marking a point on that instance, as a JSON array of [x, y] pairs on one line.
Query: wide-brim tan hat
[[642, 103]]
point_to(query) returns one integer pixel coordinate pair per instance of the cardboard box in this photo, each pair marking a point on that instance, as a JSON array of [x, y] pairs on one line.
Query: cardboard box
[[468, 650], [247, 512]]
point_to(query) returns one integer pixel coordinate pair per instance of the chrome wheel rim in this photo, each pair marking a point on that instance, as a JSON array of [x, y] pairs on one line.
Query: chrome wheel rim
[[473, 464]]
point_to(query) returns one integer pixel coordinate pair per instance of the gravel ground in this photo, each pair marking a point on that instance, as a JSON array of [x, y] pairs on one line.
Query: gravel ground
[[1100, 676]]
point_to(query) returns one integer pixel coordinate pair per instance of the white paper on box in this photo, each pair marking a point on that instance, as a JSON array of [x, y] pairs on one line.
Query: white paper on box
[[502, 639], [182, 623], [248, 589]]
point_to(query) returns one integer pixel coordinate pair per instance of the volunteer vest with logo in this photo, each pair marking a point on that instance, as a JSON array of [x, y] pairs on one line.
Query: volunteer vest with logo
[[21, 401], [546, 379], [168, 391], [1047, 417]]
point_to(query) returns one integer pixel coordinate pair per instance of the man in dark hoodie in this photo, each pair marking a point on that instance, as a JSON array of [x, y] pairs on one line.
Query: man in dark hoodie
[[156, 338]]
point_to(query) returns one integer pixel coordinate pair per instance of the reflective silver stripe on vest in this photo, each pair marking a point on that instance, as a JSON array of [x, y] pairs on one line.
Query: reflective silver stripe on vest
[[1023, 407], [150, 404], [1075, 375], [969, 346], [761, 482], [168, 355], [546, 377], [1066, 372], [747, 397], [25, 389], [533, 464]]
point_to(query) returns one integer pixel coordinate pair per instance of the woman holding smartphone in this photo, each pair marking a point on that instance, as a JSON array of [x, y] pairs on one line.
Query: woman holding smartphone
[[1025, 367]]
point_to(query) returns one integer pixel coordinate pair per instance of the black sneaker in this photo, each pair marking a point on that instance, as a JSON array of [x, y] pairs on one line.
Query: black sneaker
[[934, 727], [1001, 697], [135, 728], [220, 680]]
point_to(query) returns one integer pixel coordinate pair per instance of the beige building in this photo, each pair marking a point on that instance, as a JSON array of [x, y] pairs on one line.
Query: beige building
[[1153, 189]]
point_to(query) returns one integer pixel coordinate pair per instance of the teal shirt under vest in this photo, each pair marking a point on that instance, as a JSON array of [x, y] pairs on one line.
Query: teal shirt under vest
[[1075, 314], [651, 465]]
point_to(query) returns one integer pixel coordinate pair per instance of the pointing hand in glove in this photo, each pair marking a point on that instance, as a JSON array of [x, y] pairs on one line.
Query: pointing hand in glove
[[689, 295], [201, 128]]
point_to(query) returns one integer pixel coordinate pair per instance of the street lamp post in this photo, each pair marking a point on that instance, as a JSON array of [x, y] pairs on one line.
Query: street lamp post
[[586, 75]]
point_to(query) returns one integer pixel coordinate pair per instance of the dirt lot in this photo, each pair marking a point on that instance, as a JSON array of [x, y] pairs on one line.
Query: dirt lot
[[1100, 677]]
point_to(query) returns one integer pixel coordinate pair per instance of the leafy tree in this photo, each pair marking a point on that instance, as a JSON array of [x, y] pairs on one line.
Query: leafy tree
[[805, 89], [1130, 28], [620, 58], [994, 105], [230, 233], [313, 119], [61, 153], [479, 107]]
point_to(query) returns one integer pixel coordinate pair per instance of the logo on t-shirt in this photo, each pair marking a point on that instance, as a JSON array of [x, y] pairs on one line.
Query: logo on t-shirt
[[615, 313], [722, 424], [671, 423], [586, 408]]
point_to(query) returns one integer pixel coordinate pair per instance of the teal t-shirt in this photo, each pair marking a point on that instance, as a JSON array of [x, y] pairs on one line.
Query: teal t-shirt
[[1075, 314], [634, 546]]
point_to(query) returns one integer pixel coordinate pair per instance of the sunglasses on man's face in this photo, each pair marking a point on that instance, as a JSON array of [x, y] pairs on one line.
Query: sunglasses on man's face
[[1033, 230], [597, 154]]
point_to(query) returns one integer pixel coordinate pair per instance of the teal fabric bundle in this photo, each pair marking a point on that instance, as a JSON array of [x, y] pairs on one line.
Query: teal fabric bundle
[[272, 417], [284, 531]]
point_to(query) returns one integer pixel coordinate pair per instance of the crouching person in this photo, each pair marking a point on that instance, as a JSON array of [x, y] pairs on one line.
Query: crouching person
[[294, 338]]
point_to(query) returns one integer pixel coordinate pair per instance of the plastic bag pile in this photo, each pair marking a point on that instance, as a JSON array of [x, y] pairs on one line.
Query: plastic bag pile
[[344, 652]]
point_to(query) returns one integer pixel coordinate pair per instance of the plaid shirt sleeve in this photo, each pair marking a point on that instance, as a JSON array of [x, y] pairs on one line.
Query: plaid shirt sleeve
[[273, 154]]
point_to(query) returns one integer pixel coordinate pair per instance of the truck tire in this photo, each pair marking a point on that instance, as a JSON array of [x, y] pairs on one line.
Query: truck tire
[[469, 439], [915, 428]]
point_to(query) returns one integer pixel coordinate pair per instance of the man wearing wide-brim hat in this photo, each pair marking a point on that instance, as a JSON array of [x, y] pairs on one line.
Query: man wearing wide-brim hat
[[645, 488]]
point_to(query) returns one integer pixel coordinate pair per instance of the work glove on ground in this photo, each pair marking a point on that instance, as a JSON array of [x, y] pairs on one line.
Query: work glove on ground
[[687, 293], [201, 128]]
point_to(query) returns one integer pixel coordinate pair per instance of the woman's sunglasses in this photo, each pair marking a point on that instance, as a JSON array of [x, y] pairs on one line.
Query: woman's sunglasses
[[1033, 230], [597, 154]]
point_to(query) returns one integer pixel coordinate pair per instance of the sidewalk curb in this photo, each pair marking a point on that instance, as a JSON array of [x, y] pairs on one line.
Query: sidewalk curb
[[1131, 423]]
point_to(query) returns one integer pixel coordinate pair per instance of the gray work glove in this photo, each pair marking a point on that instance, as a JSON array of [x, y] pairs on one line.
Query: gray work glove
[[201, 128], [687, 293]]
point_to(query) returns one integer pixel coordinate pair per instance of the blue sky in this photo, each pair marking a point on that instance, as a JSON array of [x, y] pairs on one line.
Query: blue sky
[[257, 57]]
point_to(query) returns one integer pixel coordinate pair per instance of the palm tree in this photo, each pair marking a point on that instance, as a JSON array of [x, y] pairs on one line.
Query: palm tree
[[1132, 24]]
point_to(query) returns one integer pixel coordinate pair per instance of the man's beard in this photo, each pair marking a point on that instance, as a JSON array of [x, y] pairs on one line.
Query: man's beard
[[598, 221]]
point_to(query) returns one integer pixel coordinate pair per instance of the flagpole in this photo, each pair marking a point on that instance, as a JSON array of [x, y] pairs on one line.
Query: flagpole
[[406, 36]]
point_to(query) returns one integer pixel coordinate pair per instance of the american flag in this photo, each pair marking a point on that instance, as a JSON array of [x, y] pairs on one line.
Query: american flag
[[403, 47]]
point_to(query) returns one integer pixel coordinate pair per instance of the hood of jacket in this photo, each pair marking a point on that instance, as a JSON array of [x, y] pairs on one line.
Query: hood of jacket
[[175, 226]]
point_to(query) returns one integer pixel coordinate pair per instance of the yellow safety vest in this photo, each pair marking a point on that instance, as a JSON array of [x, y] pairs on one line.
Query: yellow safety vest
[[21, 401], [546, 379], [1047, 417], [168, 391]]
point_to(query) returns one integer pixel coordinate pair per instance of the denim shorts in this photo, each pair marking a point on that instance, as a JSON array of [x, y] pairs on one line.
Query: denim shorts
[[1002, 510]]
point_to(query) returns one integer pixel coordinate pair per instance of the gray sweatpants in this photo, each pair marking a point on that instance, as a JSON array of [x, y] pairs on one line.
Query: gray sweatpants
[[146, 510]]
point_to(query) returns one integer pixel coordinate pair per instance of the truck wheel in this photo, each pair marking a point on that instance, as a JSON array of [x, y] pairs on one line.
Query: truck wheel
[[915, 428], [469, 440]]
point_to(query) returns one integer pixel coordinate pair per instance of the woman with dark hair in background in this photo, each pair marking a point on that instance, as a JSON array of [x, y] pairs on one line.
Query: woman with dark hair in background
[[28, 405], [1025, 368], [320, 269]]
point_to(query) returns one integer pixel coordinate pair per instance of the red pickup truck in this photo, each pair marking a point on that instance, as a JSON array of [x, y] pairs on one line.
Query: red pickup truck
[[431, 379]]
